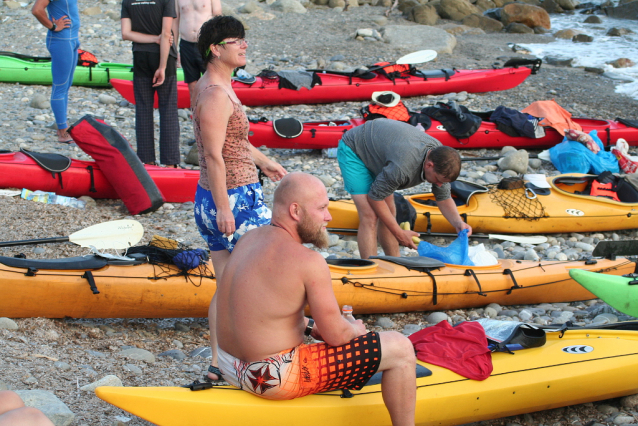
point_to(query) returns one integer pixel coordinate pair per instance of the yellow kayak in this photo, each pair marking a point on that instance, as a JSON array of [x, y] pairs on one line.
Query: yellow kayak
[[584, 365], [513, 211], [92, 287]]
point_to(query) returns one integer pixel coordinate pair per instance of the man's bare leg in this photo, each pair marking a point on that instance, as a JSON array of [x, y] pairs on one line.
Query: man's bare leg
[[398, 384], [388, 241], [219, 258], [367, 233], [14, 413]]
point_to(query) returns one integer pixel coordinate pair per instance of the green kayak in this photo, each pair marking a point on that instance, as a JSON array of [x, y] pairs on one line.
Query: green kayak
[[23, 69], [617, 291]]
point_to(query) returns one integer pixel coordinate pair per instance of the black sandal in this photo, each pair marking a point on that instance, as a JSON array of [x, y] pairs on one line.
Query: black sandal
[[216, 371]]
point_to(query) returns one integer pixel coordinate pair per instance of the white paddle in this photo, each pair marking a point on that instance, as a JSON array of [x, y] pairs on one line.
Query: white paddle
[[417, 57], [410, 59], [117, 234]]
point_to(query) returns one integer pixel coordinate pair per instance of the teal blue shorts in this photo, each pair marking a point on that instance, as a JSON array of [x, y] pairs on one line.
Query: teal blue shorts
[[356, 177]]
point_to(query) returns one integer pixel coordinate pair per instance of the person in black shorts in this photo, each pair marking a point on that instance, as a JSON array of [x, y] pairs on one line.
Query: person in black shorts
[[149, 26], [191, 14]]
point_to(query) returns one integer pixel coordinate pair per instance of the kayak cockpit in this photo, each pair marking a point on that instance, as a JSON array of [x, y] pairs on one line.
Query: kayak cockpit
[[578, 185]]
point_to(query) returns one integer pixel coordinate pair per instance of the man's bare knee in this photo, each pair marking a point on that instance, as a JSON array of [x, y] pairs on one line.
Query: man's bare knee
[[396, 350]]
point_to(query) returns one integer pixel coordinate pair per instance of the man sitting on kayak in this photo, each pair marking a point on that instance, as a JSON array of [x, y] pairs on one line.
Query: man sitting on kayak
[[382, 156], [269, 279]]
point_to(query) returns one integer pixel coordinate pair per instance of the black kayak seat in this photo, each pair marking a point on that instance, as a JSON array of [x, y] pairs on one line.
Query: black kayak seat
[[287, 127], [80, 263], [461, 190], [416, 263], [421, 371]]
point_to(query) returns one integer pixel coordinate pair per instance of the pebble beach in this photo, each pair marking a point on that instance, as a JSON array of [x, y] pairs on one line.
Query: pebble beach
[[66, 357]]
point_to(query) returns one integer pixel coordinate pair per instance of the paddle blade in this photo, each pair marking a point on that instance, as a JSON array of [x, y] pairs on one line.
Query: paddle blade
[[417, 57], [117, 234], [519, 239]]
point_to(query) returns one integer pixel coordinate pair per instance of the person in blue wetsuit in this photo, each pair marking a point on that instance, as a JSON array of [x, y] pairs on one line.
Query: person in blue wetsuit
[[62, 19]]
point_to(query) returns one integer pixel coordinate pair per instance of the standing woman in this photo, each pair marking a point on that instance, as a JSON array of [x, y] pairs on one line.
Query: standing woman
[[63, 23], [229, 199]]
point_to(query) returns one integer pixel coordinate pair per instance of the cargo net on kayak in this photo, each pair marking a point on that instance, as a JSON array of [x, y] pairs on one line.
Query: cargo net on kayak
[[171, 258], [517, 200]]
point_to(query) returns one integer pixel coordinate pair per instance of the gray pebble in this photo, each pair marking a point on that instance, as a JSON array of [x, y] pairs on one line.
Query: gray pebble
[[384, 322], [138, 354], [96, 353], [437, 317], [180, 326], [8, 324], [409, 329], [203, 352], [173, 353], [133, 369], [61, 365]]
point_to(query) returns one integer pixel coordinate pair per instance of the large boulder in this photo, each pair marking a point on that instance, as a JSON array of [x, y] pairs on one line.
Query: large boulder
[[518, 28], [532, 16], [488, 25], [567, 34], [623, 11], [484, 5], [593, 19], [618, 32], [456, 10], [419, 37], [568, 4], [424, 14], [552, 6]]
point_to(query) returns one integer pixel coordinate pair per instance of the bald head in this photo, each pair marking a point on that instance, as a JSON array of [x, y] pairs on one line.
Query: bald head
[[297, 188]]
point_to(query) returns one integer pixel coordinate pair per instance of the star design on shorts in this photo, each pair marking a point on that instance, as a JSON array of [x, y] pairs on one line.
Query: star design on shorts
[[260, 379]]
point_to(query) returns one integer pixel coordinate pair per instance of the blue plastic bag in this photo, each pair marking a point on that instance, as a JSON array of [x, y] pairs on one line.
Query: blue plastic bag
[[574, 157], [456, 253]]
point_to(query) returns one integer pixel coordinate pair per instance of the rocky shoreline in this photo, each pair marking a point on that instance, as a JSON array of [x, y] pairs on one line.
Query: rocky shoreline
[[64, 356]]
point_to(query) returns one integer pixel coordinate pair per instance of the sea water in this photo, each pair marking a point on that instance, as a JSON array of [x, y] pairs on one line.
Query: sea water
[[597, 53]]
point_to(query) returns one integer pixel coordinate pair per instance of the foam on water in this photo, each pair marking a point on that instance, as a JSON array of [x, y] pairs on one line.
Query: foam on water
[[603, 49]]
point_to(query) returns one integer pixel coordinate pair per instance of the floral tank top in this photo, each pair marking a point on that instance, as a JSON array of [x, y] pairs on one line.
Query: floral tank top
[[240, 166]]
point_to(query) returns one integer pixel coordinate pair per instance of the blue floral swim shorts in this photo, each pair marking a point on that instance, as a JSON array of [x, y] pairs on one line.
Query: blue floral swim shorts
[[247, 205]]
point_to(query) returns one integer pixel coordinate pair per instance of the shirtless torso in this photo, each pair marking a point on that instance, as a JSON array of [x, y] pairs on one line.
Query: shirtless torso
[[191, 14]]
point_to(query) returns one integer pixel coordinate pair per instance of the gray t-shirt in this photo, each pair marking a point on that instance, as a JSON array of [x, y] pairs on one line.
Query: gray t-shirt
[[394, 152]]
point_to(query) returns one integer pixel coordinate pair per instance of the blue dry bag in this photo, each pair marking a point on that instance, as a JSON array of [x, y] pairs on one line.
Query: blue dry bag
[[456, 253]]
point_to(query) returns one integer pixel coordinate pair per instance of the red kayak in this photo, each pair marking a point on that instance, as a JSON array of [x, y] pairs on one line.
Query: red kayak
[[341, 88], [326, 134], [20, 171]]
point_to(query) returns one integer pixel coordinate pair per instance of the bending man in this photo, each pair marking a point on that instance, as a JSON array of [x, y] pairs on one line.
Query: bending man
[[383, 156], [266, 284]]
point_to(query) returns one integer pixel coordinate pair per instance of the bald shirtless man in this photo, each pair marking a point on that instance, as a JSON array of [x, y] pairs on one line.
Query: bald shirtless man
[[191, 14], [267, 282]]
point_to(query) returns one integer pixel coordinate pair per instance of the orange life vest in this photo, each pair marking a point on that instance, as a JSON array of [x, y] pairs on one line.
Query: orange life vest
[[607, 190], [86, 59], [398, 112]]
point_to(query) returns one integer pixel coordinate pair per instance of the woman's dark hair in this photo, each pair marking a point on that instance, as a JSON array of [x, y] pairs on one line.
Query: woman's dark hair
[[215, 30]]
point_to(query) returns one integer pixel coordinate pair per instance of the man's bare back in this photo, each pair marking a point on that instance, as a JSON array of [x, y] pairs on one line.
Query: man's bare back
[[268, 281], [191, 14]]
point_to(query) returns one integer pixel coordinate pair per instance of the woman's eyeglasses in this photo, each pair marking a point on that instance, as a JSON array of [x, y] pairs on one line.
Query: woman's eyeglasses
[[238, 42]]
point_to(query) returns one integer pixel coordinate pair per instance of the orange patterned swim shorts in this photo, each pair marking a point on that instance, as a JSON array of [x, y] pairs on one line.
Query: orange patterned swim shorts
[[306, 369]]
